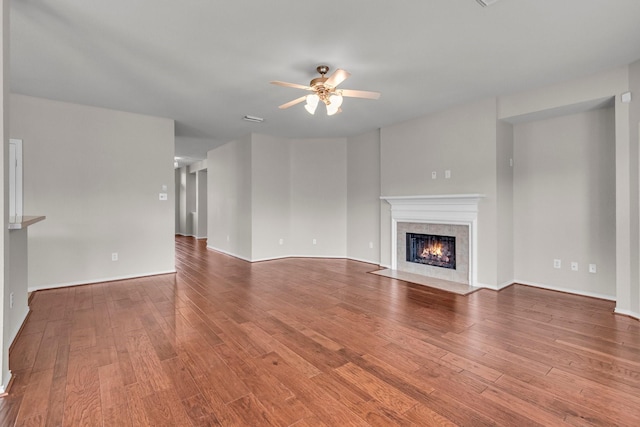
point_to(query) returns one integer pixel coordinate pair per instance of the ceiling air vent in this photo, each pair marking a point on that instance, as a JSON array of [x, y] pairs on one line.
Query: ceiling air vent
[[485, 3], [253, 119]]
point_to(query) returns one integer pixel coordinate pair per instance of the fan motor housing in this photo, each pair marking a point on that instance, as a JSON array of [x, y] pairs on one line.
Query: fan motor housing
[[318, 81]]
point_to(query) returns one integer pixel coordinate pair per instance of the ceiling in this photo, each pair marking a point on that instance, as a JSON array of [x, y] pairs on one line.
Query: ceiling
[[207, 64]]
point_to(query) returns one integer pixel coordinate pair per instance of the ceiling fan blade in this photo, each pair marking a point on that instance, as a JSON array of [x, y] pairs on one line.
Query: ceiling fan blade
[[336, 78], [292, 103], [360, 94], [293, 85]]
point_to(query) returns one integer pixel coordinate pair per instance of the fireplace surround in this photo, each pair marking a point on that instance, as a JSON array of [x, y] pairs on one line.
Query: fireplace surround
[[454, 215]]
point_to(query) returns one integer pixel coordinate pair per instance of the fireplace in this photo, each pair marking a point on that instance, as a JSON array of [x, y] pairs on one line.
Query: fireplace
[[454, 216], [431, 249]]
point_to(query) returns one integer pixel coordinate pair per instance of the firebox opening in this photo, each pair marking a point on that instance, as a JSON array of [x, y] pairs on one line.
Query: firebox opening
[[431, 249]]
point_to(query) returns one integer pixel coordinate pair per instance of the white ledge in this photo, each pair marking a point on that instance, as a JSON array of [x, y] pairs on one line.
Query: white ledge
[[432, 197]]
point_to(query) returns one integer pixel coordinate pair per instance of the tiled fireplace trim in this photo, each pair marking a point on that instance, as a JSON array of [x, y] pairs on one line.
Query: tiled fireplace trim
[[460, 232]]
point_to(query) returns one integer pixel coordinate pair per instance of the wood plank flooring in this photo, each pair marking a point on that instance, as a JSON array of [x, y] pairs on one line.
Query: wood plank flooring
[[317, 342]]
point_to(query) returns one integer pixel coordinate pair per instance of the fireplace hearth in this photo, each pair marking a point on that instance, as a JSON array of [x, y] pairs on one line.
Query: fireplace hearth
[[431, 249]]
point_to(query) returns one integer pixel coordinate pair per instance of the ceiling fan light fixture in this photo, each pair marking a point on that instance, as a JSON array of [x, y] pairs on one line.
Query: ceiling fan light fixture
[[312, 103], [325, 89], [333, 106]]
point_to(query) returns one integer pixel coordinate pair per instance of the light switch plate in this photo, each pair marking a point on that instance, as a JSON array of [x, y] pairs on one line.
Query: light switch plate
[[163, 196]]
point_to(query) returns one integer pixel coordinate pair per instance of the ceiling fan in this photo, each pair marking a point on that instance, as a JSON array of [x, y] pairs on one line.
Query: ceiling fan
[[325, 89]]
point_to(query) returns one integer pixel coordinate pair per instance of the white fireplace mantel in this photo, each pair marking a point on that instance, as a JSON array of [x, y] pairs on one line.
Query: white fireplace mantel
[[459, 209]]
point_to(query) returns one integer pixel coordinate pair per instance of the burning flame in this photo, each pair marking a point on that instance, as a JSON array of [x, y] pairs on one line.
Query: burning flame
[[434, 250]]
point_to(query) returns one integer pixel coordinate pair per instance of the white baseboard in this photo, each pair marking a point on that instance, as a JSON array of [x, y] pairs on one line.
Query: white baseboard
[[485, 286], [627, 313], [186, 235], [222, 251], [317, 256], [270, 258], [94, 281], [366, 261], [4, 387], [15, 333], [566, 290], [276, 257]]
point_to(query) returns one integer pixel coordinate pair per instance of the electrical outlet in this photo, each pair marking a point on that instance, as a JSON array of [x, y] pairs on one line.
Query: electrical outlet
[[370, 245], [557, 263], [281, 241], [434, 175], [592, 268], [574, 266], [162, 196], [447, 174], [314, 241], [114, 256]]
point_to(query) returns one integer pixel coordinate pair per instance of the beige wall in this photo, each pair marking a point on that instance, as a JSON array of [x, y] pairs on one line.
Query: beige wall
[[319, 197], [564, 202], [96, 175], [7, 318], [271, 202], [504, 220], [229, 198], [634, 190], [186, 198], [363, 197]]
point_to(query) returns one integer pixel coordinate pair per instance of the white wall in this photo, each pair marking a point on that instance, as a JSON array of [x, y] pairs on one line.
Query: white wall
[[271, 204], [633, 162], [83, 170], [319, 197], [262, 189], [462, 140], [564, 202], [177, 201], [5, 316], [363, 197], [186, 193], [504, 219], [229, 198], [201, 204]]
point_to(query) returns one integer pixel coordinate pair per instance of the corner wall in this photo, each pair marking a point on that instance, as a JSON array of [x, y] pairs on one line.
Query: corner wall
[[363, 197], [229, 198], [271, 202], [505, 214], [96, 175], [265, 190]]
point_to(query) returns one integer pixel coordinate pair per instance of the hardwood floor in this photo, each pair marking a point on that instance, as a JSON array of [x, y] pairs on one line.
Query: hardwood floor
[[308, 342]]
